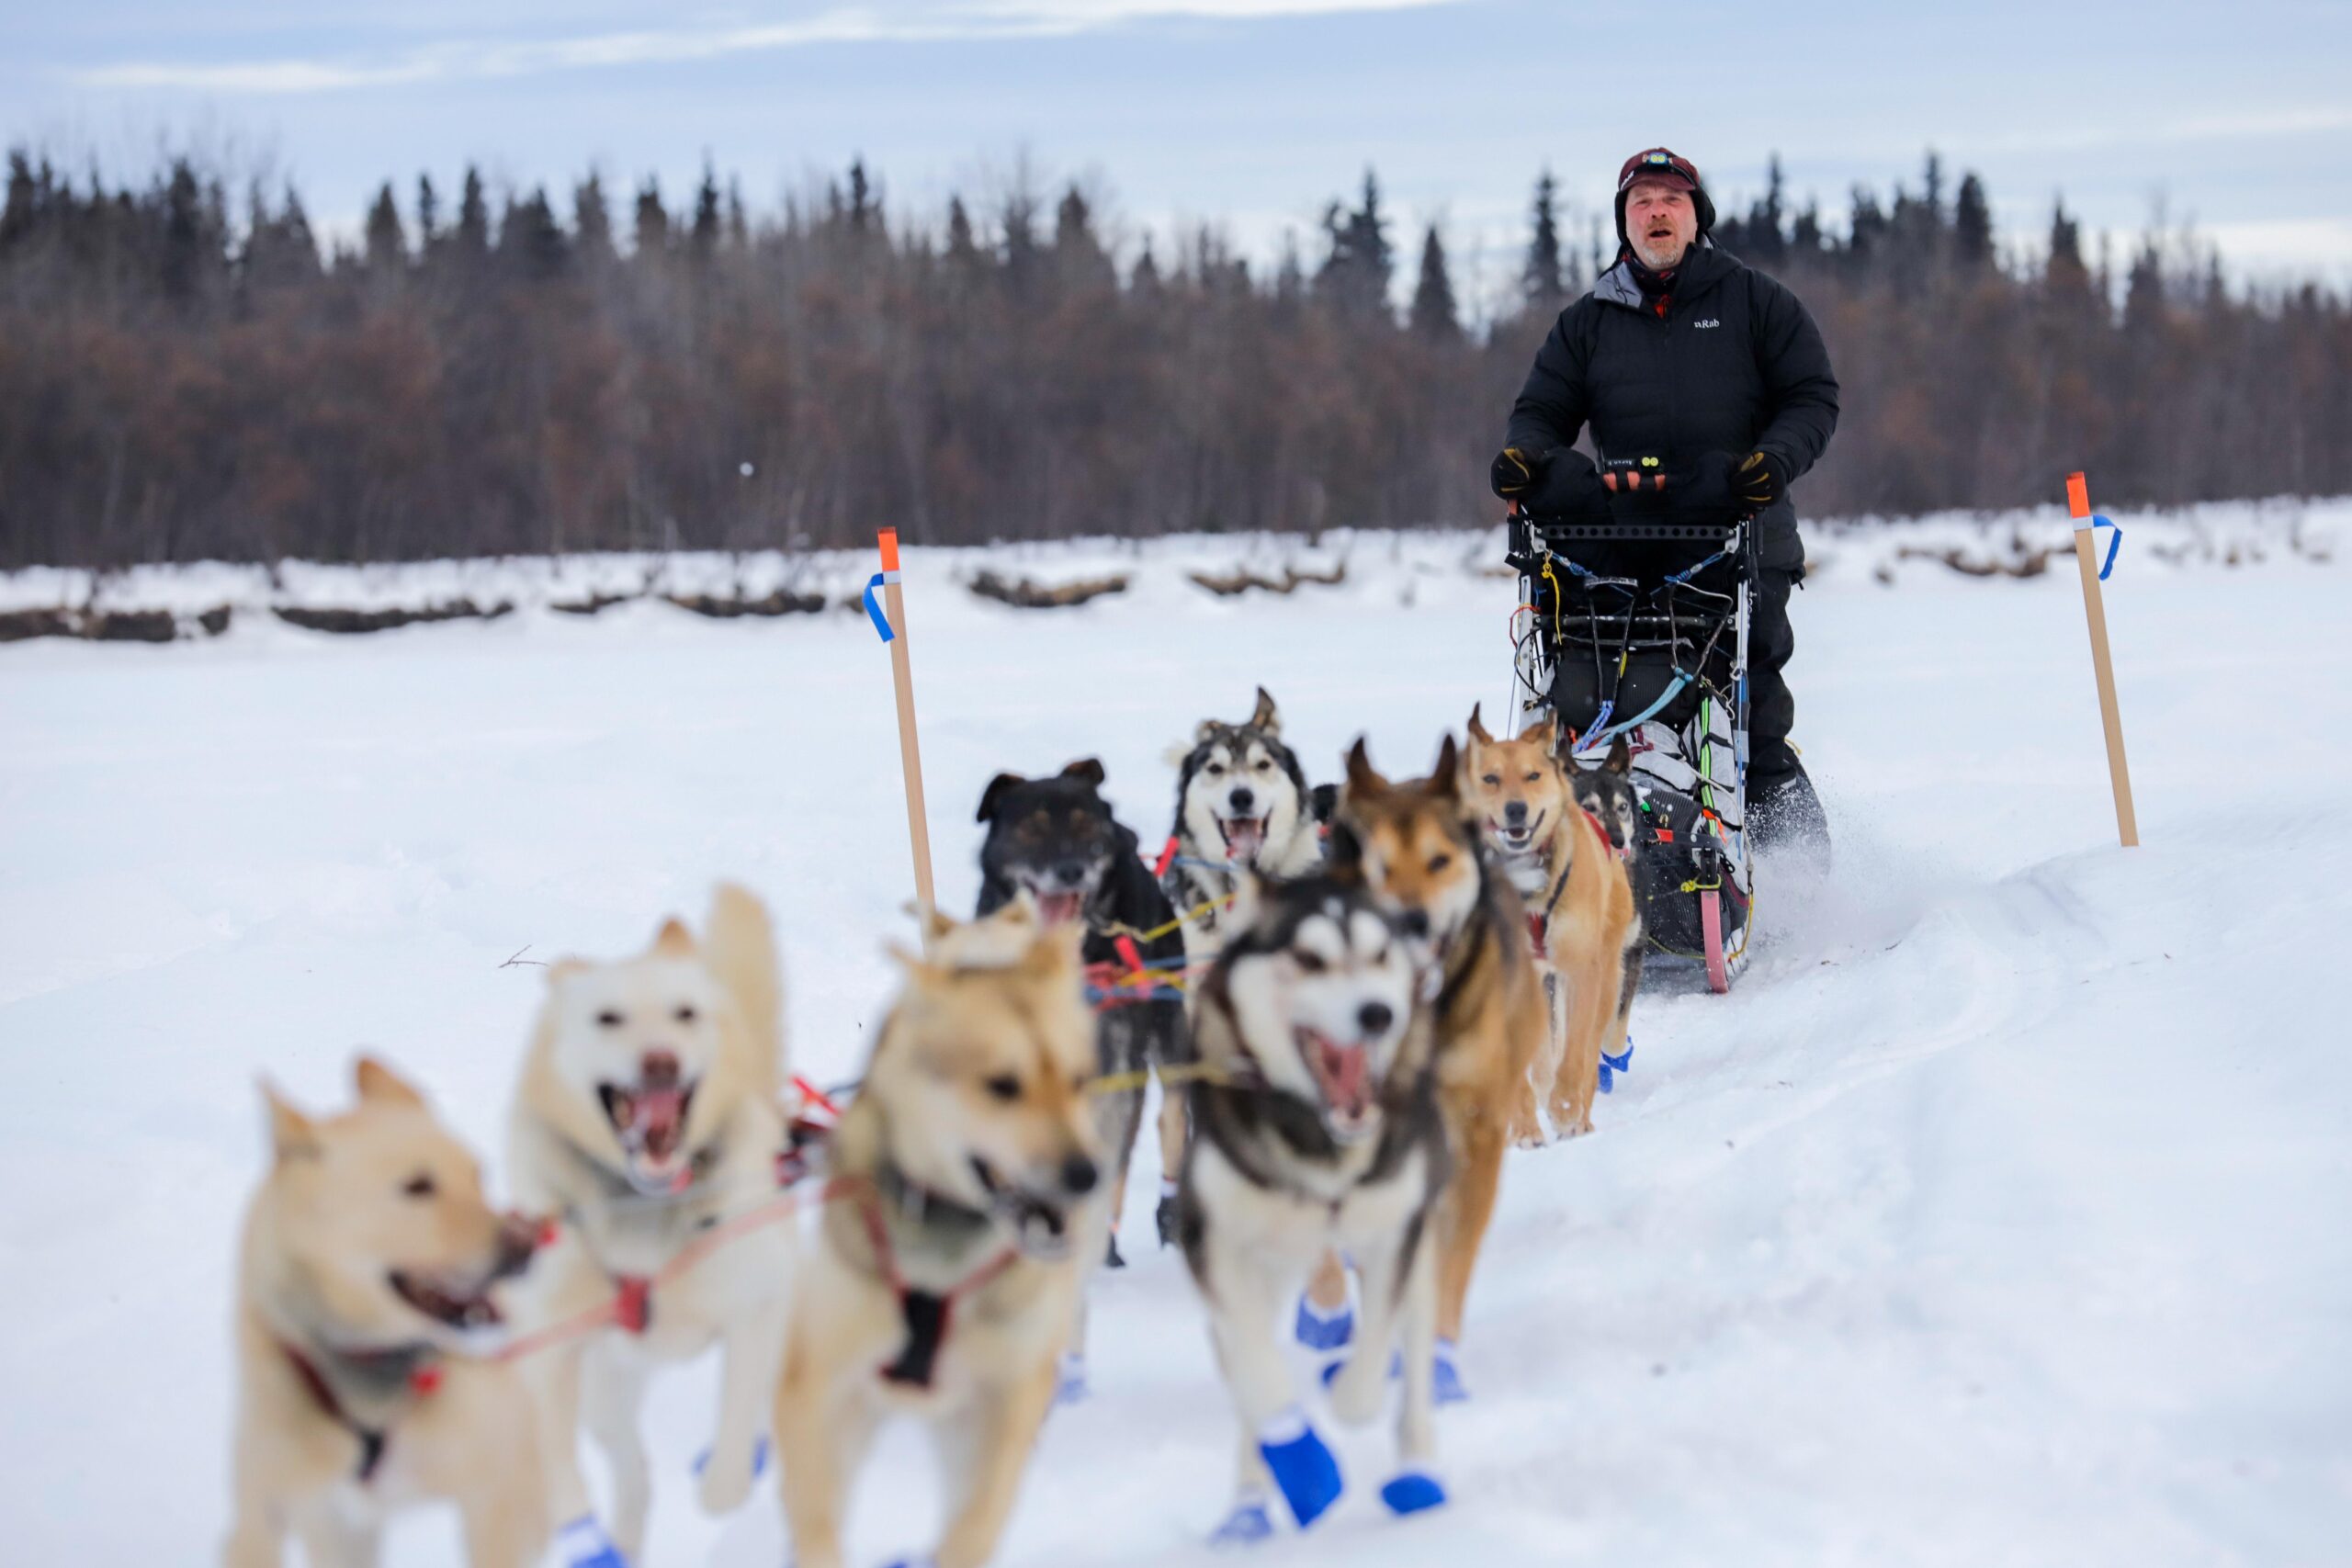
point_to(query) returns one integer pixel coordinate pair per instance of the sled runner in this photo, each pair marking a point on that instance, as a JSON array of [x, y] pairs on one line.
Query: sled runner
[[1637, 628]]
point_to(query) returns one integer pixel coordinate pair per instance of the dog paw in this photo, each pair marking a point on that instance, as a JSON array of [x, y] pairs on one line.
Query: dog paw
[[583, 1543], [1069, 1378], [1413, 1492], [1324, 1331], [727, 1477], [1302, 1466], [1450, 1388], [1249, 1522]]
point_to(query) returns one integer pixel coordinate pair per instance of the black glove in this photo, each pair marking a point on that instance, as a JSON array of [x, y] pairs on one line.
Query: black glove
[[1569, 490], [1759, 479], [1719, 483], [1515, 469]]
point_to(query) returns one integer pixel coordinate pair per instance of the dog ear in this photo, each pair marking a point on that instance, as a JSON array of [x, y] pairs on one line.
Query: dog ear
[[292, 1135], [1363, 779], [1265, 718], [1546, 735], [1055, 951], [1620, 757], [920, 971], [993, 796], [1087, 769], [1445, 779], [1479, 736], [673, 940], [1323, 801], [563, 969], [379, 1085]]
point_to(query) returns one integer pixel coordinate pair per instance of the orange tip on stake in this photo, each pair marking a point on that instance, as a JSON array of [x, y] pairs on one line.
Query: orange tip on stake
[[889, 540], [2078, 496]]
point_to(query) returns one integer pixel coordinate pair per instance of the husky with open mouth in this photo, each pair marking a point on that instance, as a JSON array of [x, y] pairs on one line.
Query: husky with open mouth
[[1316, 1129], [1242, 804], [1567, 863], [970, 1202], [368, 1284], [647, 1115], [1056, 840]]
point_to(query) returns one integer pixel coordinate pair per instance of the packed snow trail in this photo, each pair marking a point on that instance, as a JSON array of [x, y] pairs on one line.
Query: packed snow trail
[[1996, 1216]]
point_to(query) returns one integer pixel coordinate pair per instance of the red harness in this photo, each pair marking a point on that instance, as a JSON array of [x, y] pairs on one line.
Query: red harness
[[928, 1315], [424, 1381], [1539, 922]]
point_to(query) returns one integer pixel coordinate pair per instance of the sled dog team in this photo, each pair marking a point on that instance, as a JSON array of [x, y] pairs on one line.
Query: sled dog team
[[1355, 999]]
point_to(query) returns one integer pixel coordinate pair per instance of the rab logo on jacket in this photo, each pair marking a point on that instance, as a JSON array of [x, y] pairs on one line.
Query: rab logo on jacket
[[1702, 326]]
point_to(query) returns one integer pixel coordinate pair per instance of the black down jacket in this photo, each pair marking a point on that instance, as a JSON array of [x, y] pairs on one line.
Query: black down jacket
[[1734, 365]]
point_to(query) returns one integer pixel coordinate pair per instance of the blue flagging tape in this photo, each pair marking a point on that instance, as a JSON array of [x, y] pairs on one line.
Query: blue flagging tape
[[2114, 542], [874, 606]]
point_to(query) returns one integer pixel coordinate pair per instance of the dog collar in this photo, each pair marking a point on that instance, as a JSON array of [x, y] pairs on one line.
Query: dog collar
[[414, 1366]]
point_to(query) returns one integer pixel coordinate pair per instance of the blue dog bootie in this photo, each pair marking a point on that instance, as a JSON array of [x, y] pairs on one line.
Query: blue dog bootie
[[1323, 1332], [1611, 1065], [1451, 1389], [583, 1543], [1249, 1522], [1413, 1492], [1302, 1466], [1069, 1378]]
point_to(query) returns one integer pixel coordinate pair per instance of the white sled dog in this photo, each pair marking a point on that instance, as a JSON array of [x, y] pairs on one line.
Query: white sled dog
[[648, 1114], [1242, 804], [365, 1279], [968, 1204], [1315, 1127]]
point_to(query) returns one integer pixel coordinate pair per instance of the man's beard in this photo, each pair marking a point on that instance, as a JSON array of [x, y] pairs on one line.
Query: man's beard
[[1660, 255]]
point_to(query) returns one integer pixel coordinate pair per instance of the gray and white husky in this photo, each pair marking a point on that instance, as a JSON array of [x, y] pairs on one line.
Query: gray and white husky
[[1316, 1128], [1242, 804]]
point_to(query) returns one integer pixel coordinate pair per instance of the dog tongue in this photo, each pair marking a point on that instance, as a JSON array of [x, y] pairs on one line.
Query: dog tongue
[[1060, 909], [1345, 1081], [1243, 836], [661, 1116]]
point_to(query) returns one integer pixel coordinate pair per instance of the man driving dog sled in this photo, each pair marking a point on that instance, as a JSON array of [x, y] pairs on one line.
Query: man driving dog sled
[[1683, 353]]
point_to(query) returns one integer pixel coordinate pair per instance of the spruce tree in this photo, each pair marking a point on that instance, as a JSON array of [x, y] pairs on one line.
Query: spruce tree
[[1542, 277], [1434, 307], [387, 246]]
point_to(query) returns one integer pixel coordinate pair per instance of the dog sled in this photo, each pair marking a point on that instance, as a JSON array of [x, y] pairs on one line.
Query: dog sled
[[1636, 629]]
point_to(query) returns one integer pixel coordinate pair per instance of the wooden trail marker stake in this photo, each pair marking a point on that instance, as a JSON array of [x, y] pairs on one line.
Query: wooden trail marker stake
[[910, 753], [2118, 770]]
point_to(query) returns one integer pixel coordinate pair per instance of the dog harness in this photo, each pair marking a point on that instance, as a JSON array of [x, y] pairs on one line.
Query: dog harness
[[927, 1314], [1539, 923], [421, 1378]]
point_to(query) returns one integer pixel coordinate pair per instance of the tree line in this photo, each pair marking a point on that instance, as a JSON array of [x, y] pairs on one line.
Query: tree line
[[187, 375]]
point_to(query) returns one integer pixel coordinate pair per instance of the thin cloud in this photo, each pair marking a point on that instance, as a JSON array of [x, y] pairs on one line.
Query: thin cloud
[[980, 19]]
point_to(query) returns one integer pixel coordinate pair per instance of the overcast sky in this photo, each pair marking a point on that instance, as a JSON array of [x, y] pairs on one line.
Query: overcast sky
[[1249, 112]]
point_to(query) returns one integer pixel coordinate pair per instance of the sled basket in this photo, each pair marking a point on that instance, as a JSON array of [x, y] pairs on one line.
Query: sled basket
[[1637, 631]]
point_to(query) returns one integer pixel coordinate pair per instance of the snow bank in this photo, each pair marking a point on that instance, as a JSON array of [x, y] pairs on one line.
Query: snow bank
[[1884, 551]]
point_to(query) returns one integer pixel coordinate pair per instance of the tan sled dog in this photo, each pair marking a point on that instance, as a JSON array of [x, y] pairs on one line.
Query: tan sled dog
[[1578, 900], [366, 1274], [966, 1207], [648, 1114], [1421, 857]]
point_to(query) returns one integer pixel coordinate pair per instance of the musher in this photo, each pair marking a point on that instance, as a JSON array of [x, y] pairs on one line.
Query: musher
[[1684, 354]]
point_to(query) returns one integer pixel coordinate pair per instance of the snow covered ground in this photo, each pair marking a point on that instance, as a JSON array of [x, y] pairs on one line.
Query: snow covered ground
[[2000, 1217]]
